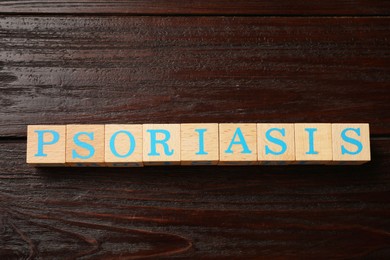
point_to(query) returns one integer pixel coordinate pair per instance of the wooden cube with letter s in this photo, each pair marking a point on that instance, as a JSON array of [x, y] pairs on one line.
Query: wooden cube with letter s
[[275, 144], [85, 145], [351, 143]]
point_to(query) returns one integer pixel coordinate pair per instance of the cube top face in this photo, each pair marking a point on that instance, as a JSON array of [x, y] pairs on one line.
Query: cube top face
[[237, 143], [123, 145], [313, 142], [161, 144], [199, 144], [85, 144], [351, 143], [132, 145], [46, 144], [276, 143]]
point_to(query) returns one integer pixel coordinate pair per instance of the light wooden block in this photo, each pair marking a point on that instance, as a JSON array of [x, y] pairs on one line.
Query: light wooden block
[[123, 145], [275, 144], [199, 144], [46, 145], [317, 151], [237, 144], [161, 144], [351, 143], [85, 145]]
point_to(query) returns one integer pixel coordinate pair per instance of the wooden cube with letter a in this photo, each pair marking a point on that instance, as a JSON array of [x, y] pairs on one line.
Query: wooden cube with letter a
[[275, 144], [237, 144], [161, 144], [85, 145], [313, 143], [199, 144], [46, 145], [351, 143], [123, 145]]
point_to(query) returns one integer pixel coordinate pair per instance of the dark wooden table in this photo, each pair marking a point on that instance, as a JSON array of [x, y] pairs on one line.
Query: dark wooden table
[[194, 61]]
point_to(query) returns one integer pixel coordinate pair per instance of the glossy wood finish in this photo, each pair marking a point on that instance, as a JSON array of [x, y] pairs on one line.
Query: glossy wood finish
[[199, 211], [200, 7], [190, 62], [203, 69]]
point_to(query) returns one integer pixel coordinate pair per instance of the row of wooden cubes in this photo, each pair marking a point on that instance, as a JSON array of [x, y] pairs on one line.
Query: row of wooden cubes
[[127, 145]]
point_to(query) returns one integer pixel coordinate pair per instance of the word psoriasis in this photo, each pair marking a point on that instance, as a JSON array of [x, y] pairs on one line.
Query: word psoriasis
[[135, 145]]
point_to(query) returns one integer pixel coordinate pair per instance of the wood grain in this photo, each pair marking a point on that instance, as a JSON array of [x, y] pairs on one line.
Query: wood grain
[[220, 7], [195, 61], [289, 211], [201, 69]]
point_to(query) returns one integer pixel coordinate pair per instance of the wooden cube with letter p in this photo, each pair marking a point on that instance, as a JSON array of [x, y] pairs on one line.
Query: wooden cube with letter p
[[85, 145], [161, 144], [313, 143], [199, 144], [123, 145], [351, 143], [275, 144], [237, 144], [46, 145]]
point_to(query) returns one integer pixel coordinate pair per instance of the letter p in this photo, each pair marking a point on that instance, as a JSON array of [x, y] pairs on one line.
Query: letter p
[[55, 137]]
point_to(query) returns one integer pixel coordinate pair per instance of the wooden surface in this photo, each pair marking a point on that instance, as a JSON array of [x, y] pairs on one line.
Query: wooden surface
[[195, 211], [199, 69], [203, 7], [155, 62]]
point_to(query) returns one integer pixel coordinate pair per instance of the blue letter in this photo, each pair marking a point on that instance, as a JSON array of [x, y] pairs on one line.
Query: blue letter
[[201, 141], [275, 141], [241, 141], [311, 140], [84, 145], [352, 141], [154, 142], [41, 143], [132, 144]]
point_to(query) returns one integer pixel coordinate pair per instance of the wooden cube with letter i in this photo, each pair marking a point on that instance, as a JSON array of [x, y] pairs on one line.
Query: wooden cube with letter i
[[199, 144], [313, 143]]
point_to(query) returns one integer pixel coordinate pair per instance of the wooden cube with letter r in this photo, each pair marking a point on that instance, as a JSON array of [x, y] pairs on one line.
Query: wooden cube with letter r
[[161, 144]]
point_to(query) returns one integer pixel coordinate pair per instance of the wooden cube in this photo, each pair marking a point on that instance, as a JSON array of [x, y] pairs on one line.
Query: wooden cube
[[237, 144], [123, 145], [161, 144], [85, 145], [46, 145], [313, 143], [199, 144], [275, 144], [351, 143]]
